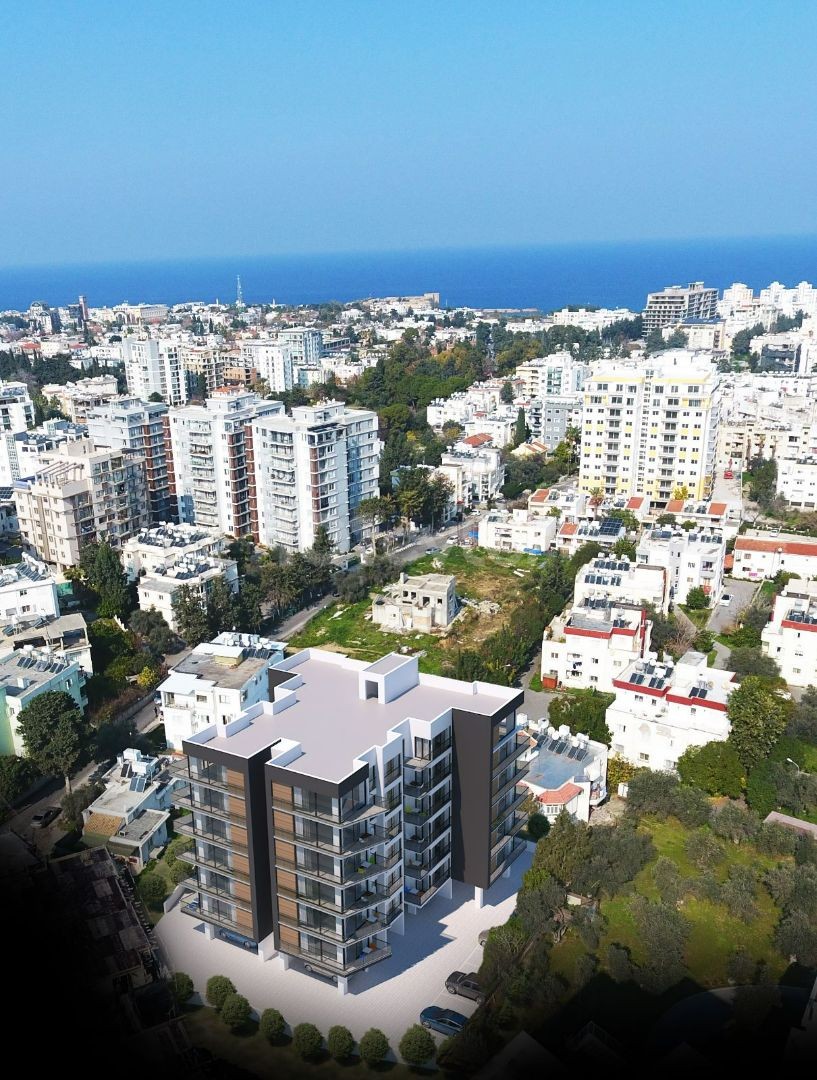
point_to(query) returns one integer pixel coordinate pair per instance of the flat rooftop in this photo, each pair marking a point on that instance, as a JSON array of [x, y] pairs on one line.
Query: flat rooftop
[[557, 760], [224, 671], [333, 725]]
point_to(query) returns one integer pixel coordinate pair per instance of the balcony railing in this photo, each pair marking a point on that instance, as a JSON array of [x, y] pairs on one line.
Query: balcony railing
[[183, 797], [195, 909], [208, 888], [423, 841], [331, 967], [419, 763], [421, 897], [188, 828], [201, 776], [517, 847], [424, 868], [518, 822], [365, 929], [213, 864], [499, 787], [373, 838], [360, 813], [510, 749]]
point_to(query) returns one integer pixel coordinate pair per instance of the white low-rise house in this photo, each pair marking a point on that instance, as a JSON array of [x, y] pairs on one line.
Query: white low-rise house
[[637, 505], [157, 590], [567, 772], [156, 550], [133, 811], [63, 635], [500, 425], [26, 674], [797, 482], [661, 709], [566, 504], [424, 603], [693, 559], [588, 647], [759, 555], [622, 581], [28, 590], [572, 534], [476, 473], [725, 517], [218, 681], [517, 530], [77, 399], [790, 637]]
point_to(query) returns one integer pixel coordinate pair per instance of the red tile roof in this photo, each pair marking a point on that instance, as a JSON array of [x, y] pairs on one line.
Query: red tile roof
[[788, 547], [729, 562], [717, 509], [540, 495], [477, 440], [636, 502], [561, 795], [674, 506], [568, 529]]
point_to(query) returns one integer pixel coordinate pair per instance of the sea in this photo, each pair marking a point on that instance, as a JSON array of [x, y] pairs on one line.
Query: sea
[[541, 277]]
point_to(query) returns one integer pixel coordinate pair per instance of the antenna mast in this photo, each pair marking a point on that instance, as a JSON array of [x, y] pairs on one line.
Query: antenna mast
[[239, 293]]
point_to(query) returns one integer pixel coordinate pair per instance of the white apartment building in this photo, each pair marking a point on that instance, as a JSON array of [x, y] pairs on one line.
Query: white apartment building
[[77, 399], [273, 362], [500, 426], [551, 376], [477, 474], [797, 481], [567, 772], [517, 530], [26, 674], [16, 416], [158, 589], [141, 426], [28, 448], [693, 559], [572, 534], [153, 551], [708, 334], [650, 426], [81, 494], [305, 344], [549, 418], [213, 460], [218, 681], [565, 504], [313, 469], [759, 555], [676, 303], [153, 366], [661, 709], [790, 637], [203, 366], [590, 644], [621, 581], [724, 517], [28, 590]]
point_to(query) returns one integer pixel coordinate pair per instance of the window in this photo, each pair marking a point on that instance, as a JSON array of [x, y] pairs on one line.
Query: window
[[643, 757]]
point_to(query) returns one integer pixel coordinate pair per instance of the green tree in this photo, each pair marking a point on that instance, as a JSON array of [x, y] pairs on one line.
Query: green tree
[[181, 987], [584, 711], [417, 1046], [666, 930], [703, 850], [218, 989], [538, 826], [53, 732], [323, 541], [152, 889], [714, 768], [797, 936], [190, 615], [697, 599], [308, 1041], [668, 880], [563, 849], [272, 1025], [151, 626], [739, 891], [103, 571], [624, 549], [745, 660], [732, 822], [17, 774], [235, 1011], [520, 433], [619, 964], [758, 716], [374, 1046], [506, 393], [340, 1042]]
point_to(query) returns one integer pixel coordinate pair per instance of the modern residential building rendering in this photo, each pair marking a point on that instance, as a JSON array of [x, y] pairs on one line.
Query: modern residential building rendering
[[316, 839], [312, 470], [650, 426]]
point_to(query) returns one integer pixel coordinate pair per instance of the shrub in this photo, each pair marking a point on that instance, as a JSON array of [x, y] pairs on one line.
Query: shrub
[[17, 774], [697, 599], [373, 1046], [691, 807], [218, 988], [152, 889], [181, 987], [340, 1042], [703, 849], [707, 887], [505, 1017], [805, 853], [774, 839], [235, 1011], [307, 1040], [738, 892], [417, 1045], [734, 823], [714, 768], [652, 792], [538, 826], [272, 1025]]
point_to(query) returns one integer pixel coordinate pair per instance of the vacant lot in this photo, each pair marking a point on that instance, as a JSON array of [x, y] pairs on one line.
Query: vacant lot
[[480, 574]]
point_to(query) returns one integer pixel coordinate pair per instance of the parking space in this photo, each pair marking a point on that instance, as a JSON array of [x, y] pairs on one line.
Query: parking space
[[390, 995], [725, 616]]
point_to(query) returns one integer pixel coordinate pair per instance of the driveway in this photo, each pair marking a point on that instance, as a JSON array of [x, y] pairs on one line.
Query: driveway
[[725, 616], [390, 995]]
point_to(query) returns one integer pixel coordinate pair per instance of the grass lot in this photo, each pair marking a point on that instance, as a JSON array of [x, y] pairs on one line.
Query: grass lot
[[480, 574], [699, 616], [159, 868], [251, 1051]]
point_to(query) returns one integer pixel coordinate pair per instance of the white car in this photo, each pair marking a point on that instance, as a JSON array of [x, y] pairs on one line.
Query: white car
[[727, 598]]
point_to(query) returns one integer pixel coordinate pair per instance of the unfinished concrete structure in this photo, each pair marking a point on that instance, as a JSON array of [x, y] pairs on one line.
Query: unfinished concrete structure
[[424, 603]]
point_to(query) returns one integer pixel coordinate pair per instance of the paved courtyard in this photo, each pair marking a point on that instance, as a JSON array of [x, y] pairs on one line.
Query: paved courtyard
[[440, 939]]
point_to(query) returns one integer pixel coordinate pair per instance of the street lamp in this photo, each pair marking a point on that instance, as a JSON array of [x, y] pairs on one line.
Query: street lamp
[[794, 763]]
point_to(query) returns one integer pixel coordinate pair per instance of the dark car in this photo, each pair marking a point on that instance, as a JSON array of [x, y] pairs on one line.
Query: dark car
[[446, 1021], [465, 985], [45, 817]]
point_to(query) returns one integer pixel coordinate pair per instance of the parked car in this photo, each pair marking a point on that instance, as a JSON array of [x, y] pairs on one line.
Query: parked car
[[727, 598], [446, 1021], [432, 550], [465, 985], [728, 474], [45, 817], [453, 540]]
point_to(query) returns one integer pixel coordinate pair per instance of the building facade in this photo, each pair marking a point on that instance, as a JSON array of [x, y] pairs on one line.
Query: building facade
[[677, 303], [24, 675], [154, 367], [790, 636], [589, 646], [692, 558], [759, 555], [155, 550], [158, 589]]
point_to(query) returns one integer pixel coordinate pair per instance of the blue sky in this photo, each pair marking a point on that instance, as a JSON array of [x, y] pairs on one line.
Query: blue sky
[[188, 128]]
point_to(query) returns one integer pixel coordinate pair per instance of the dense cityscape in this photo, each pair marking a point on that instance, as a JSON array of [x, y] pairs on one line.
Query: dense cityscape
[[327, 627]]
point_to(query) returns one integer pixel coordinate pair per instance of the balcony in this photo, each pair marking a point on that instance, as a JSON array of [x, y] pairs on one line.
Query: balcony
[[511, 749], [517, 847], [347, 937], [188, 828], [212, 864], [373, 838], [208, 777], [424, 868], [498, 789], [183, 797], [330, 967], [422, 841], [517, 824], [360, 813], [419, 898], [194, 908], [421, 763], [208, 889]]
